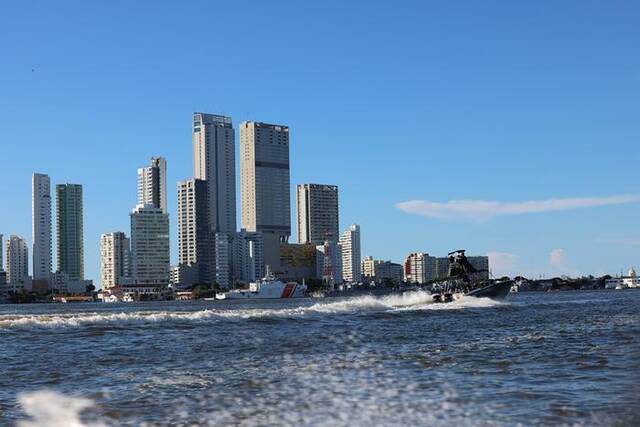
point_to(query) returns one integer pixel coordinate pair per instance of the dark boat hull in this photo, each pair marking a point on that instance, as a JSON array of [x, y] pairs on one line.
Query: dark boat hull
[[497, 290]]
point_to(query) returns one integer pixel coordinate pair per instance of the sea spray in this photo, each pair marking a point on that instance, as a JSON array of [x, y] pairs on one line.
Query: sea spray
[[46, 408], [416, 300]]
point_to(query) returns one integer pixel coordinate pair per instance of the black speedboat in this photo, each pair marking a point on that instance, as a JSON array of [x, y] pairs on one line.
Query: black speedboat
[[495, 289], [460, 282]]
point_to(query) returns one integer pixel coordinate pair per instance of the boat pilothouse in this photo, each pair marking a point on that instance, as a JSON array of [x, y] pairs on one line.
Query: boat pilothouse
[[459, 282], [269, 288]]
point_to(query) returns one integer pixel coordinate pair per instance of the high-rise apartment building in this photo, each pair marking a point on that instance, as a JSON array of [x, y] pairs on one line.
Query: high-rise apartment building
[[69, 230], [114, 258], [298, 261], [351, 257], [195, 237], [317, 213], [369, 267], [264, 185], [152, 184], [41, 226], [214, 162], [149, 246], [419, 268], [17, 263]]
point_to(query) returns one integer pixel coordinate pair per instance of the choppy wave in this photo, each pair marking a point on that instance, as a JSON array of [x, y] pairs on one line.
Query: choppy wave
[[408, 301]]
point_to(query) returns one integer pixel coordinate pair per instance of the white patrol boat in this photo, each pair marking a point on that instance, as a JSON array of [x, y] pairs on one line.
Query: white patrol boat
[[269, 288]]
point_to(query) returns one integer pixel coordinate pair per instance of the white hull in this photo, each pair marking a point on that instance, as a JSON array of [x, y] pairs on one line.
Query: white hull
[[271, 289]]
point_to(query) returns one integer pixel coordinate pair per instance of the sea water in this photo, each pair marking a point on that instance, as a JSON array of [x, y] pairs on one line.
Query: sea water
[[563, 358]]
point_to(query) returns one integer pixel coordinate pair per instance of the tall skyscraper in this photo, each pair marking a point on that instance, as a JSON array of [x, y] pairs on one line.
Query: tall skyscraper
[[264, 184], [41, 226], [195, 237], [17, 263], [1, 253], [214, 162], [70, 230], [351, 259], [149, 246], [114, 258], [152, 184], [317, 213]]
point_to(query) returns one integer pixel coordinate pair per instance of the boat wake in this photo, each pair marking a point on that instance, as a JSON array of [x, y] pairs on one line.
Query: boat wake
[[409, 301], [52, 409]]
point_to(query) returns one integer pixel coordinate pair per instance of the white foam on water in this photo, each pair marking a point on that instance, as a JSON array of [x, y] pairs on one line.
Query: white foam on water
[[383, 405], [46, 408], [417, 300]]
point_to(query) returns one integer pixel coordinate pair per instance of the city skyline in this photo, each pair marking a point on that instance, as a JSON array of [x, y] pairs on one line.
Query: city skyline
[[415, 128]]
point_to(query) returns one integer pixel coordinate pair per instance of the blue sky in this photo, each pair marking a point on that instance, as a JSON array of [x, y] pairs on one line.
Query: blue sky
[[495, 102]]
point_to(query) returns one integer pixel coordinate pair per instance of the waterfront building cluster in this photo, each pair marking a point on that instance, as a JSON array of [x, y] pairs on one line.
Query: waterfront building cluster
[[139, 265], [212, 251], [374, 270], [68, 276], [630, 281], [421, 268]]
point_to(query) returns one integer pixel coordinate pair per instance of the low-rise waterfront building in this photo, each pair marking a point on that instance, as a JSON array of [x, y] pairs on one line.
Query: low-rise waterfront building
[[381, 271], [630, 281], [133, 292], [183, 276], [388, 271], [297, 261]]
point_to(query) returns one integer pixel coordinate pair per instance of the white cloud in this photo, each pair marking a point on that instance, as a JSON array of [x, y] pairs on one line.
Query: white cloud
[[558, 259], [480, 210], [560, 264]]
